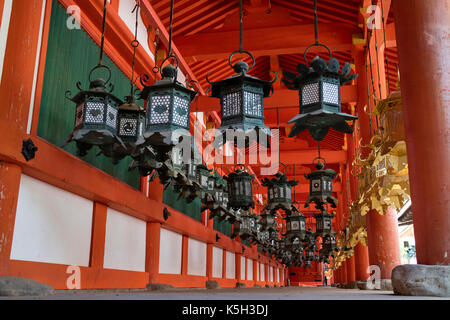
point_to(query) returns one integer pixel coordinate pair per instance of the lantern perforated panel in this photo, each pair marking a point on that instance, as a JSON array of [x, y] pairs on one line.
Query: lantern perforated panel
[[181, 110], [315, 185], [231, 104], [111, 117], [160, 106], [128, 127], [252, 104], [288, 193], [79, 114], [310, 93], [94, 112], [330, 93]]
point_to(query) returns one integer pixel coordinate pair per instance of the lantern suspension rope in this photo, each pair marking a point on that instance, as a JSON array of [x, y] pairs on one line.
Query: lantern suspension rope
[[241, 28], [170, 28], [386, 61], [100, 62], [316, 27], [373, 83], [134, 44], [368, 96]]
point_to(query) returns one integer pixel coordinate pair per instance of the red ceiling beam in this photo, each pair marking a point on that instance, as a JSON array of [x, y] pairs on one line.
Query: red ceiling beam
[[265, 41]]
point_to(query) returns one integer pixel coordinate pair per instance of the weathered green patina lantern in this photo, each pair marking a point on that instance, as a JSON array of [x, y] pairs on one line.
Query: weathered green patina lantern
[[323, 223], [96, 109], [240, 192], [95, 117], [321, 186], [319, 85], [268, 221], [168, 109], [242, 110], [241, 100], [131, 120], [329, 244], [295, 226], [279, 192]]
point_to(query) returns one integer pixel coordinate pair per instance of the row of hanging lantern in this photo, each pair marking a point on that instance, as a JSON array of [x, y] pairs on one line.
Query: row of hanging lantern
[[149, 136]]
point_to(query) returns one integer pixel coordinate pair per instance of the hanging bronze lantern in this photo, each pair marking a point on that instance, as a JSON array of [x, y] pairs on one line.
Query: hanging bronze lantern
[[321, 186], [268, 221], [279, 192], [295, 226], [168, 109], [96, 109], [319, 85], [240, 192], [323, 223], [241, 100]]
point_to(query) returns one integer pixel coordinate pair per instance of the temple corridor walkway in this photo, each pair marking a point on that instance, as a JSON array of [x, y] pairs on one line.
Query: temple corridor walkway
[[285, 293]]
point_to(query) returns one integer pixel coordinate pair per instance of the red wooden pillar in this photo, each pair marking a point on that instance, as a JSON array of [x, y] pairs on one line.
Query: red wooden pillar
[[98, 235], [422, 27], [344, 272], [361, 262], [237, 263], [152, 250], [9, 190], [351, 277], [384, 243]]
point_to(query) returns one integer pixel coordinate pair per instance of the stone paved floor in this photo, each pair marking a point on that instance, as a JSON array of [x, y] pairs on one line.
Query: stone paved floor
[[286, 293]]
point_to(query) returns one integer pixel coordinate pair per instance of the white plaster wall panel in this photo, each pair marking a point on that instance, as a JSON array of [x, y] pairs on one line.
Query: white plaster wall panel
[[243, 265], [196, 257], [271, 273], [231, 265], [262, 274], [217, 262], [124, 242], [249, 269], [52, 225], [277, 274], [125, 12], [170, 252]]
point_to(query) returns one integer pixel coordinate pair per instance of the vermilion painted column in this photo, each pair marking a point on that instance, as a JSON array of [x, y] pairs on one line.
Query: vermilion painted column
[[9, 189], [344, 272], [384, 242], [351, 277], [152, 250], [361, 262], [237, 263], [422, 27]]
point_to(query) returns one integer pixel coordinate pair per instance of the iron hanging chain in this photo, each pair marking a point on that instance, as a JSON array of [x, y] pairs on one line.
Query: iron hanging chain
[[170, 28], [241, 28], [134, 44], [386, 61], [373, 83], [368, 94], [100, 61], [316, 24]]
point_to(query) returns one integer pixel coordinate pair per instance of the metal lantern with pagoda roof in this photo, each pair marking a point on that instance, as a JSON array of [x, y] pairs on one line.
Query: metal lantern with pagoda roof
[[321, 186], [241, 100], [323, 223], [131, 117], [319, 85], [240, 194], [268, 221], [168, 109], [295, 225], [168, 103], [279, 192], [96, 109], [329, 244]]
